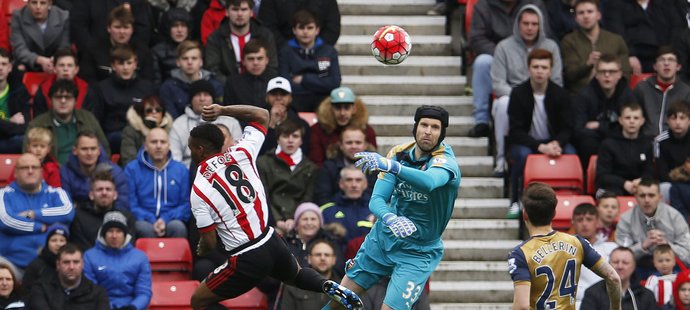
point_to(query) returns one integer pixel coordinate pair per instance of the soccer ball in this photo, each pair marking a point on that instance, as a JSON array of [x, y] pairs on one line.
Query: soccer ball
[[391, 45]]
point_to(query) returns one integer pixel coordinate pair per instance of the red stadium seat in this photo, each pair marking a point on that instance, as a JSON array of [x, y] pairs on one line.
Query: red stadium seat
[[172, 295], [252, 300], [7, 163], [32, 81], [564, 210], [591, 175], [625, 203], [9, 6], [469, 10], [115, 158], [170, 258], [637, 78], [309, 117], [563, 173]]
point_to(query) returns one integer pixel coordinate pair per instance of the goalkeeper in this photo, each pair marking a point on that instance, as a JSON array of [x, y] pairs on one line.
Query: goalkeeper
[[413, 199]]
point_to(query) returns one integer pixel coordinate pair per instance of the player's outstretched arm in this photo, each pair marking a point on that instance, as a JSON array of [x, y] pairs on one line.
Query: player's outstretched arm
[[613, 284], [243, 113], [424, 180]]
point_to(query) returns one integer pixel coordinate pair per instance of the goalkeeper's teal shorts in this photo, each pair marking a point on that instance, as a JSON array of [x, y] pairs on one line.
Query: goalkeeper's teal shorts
[[409, 265]]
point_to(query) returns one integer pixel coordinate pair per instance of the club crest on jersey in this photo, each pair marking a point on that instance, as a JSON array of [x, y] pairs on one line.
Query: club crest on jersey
[[439, 161]]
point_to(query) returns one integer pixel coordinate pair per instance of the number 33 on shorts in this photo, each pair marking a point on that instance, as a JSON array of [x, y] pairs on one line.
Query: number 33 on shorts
[[411, 294]]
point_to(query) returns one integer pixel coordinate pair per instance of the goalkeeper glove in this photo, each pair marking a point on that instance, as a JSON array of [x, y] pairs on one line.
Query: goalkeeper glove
[[373, 162], [401, 226]]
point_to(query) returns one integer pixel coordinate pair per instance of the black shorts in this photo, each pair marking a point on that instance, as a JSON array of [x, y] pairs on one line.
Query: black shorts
[[242, 272]]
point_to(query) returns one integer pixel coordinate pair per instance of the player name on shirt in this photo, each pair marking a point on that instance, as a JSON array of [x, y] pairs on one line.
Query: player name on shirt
[[215, 163], [553, 247]]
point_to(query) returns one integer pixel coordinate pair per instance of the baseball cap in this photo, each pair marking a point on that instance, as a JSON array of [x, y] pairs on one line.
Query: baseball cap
[[279, 83], [342, 95]]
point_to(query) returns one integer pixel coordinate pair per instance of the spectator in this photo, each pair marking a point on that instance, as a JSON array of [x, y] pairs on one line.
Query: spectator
[[308, 228], [175, 29], [342, 109], [583, 47], [673, 144], [309, 63], [23, 225], [492, 21], [352, 141], [349, 208], [680, 188], [119, 92], [322, 258], [635, 296], [596, 112], [117, 266], [201, 94], [39, 29], [12, 294], [212, 18], [656, 93], [161, 207], [69, 289], [175, 90], [277, 15], [89, 21], [510, 69], [626, 156], [90, 214], [86, 160], [96, 61], [42, 268], [661, 282], [228, 141], [66, 68], [562, 17], [141, 118], [225, 54], [248, 87], [645, 28], [681, 291], [651, 223], [585, 220], [288, 176], [38, 142], [65, 122], [17, 113], [539, 114], [607, 207], [279, 101]]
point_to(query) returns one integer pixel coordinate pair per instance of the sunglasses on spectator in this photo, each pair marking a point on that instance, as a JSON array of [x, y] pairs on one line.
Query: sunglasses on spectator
[[154, 110]]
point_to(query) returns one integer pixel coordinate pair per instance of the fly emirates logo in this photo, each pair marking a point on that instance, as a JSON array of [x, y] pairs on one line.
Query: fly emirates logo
[[407, 193]]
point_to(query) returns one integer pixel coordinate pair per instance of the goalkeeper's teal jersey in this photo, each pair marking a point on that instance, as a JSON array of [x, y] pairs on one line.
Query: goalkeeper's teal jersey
[[429, 211]]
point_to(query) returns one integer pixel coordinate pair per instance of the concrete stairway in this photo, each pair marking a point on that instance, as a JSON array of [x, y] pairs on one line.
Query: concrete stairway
[[473, 273]]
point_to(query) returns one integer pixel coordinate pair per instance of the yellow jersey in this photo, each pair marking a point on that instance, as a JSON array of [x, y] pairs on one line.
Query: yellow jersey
[[550, 264]]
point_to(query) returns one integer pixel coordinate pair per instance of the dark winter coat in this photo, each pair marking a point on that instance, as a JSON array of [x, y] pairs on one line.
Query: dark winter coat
[[116, 97], [592, 105], [621, 159], [277, 16], [17, 102], [49, 295], [597, 299]]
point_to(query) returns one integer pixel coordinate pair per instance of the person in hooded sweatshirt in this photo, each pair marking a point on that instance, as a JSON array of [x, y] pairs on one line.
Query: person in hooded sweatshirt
[[117, 266], [626, 156], [42, 268], [509, 69], [175, 91], [174, 28], [141, 118], [159, 198]]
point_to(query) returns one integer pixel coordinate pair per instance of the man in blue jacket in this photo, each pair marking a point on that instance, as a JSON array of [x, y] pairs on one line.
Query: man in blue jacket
[[309, 63], [119, 267], [88, 157], [28, 207], [160, 187]]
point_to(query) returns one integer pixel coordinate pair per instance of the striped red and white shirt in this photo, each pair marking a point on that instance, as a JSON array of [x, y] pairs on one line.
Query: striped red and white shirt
[[227, 194]]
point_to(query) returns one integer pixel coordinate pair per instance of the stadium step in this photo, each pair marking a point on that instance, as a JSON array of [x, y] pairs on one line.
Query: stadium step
[[471, 306], [471, 271], [420, 65], [431, 45], [406, 85], [477, 187], [367, 7], [480, 208], [414, 25], [402, 125], [480, 229], [476, 166], [407, 105], [471, 291], [462, 146], [478, 250]]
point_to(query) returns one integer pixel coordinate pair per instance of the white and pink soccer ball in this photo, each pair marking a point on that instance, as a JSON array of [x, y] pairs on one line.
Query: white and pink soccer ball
[[391, 45]]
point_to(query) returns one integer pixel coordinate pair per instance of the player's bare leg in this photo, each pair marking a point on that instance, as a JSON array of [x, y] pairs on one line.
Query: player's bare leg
[[351, 285], [203, 297]]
